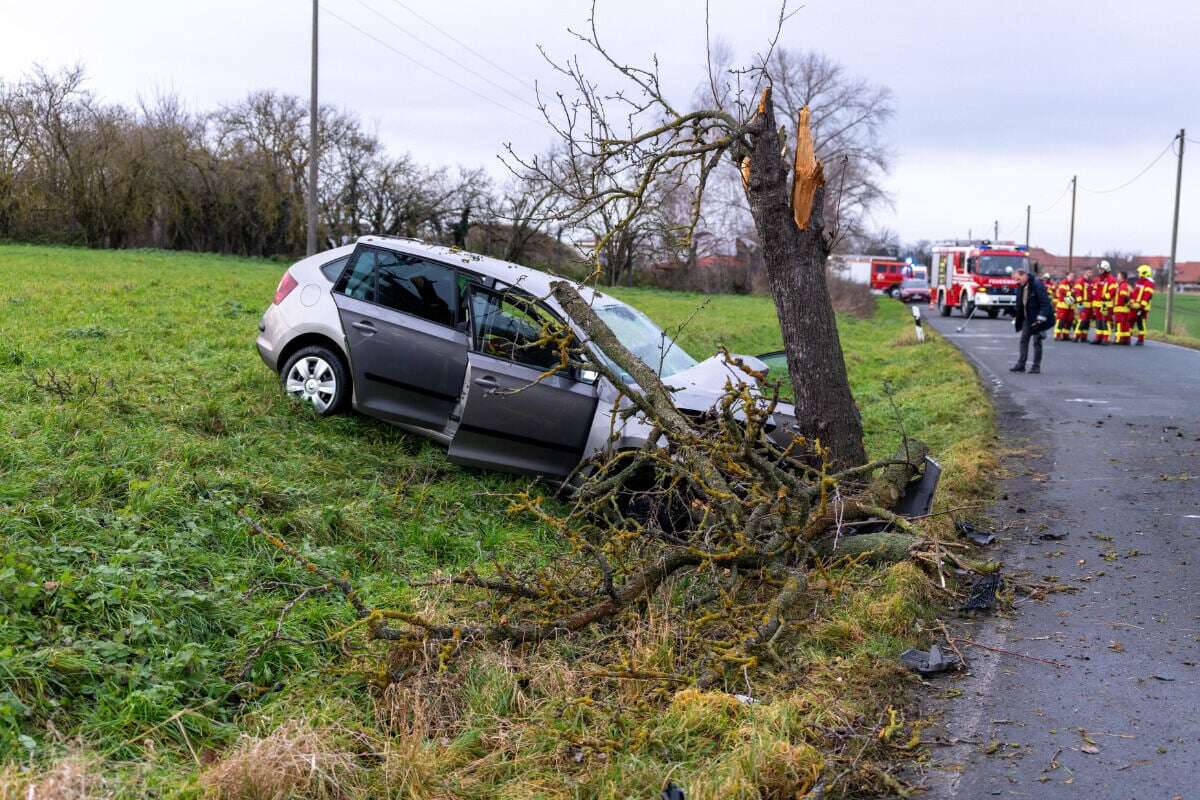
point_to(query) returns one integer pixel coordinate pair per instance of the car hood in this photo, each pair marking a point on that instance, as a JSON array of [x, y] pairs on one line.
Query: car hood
[[701, 387]]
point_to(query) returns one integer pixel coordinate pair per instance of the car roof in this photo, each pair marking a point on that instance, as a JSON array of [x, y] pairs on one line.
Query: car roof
[[533, 281]]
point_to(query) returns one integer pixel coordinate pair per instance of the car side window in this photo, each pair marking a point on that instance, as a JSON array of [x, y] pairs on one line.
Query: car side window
[[333, 270], [418, 287], [513, 327], [359, 280]]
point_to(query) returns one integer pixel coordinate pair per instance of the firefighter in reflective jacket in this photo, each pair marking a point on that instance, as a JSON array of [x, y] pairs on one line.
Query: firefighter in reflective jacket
[[1081, 288], [1143, 293], [1102, 302], [1064, 308], [1122, 312]]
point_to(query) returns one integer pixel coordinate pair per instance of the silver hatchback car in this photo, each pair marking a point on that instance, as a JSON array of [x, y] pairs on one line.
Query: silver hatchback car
[[444, 343]]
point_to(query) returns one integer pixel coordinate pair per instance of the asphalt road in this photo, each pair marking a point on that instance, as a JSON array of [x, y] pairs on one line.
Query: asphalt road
[[1108, 442]]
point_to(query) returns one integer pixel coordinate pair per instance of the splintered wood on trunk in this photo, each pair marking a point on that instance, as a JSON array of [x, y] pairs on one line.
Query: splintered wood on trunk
[[795, 261]]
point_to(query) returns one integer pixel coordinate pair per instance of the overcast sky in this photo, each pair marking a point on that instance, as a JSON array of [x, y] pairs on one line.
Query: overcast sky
[[998, 104]]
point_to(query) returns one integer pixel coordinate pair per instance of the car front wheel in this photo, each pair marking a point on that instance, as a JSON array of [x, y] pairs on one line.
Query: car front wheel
[[317, 376]]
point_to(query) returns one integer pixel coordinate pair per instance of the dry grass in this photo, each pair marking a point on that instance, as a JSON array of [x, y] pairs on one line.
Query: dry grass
[[75, 776], [296, 760], [851, 298]]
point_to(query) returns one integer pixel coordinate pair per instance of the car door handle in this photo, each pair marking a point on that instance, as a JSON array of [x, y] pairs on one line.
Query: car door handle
[[487, 382], [363, 326]]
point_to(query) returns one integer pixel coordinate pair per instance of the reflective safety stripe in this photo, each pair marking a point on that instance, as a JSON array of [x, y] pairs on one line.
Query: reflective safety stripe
[[1122, 309]]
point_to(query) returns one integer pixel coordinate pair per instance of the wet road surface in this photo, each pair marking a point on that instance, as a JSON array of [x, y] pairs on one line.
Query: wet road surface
[[1108, 453]]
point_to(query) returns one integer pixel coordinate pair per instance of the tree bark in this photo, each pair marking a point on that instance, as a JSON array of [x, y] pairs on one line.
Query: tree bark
[[795, 265], [884, 548]]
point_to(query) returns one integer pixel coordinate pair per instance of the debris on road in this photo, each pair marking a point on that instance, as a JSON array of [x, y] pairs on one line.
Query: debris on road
[[929, 662], [969, 531], [983, 593], [1052, 536]]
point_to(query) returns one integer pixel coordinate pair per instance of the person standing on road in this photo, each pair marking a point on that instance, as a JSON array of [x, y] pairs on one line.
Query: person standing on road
[[1064, 308], [1034, 314], [1143, 293], [1122, 311], [1082, 289], [1103, 294]]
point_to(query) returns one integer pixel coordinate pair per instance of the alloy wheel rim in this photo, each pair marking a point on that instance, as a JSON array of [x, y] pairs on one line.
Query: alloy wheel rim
[[312, 380]]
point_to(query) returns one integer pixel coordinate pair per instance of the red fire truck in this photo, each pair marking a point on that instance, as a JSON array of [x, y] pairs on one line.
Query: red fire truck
[[887, 274], [967, 275]]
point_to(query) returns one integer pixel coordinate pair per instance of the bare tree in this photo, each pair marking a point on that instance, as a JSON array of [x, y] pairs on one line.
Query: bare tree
[[619, 144], [1122, 260], [848, 118]]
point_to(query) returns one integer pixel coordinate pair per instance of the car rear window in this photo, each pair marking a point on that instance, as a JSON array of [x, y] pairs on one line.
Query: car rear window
[[334, 268]]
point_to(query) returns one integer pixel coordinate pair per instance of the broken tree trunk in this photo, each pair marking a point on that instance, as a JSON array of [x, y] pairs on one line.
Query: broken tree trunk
[[795, 261], [881, 496], [880, 547]]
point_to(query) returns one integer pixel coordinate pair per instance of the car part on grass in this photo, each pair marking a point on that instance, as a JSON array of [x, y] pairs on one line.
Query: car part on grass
[[969, 531], [672, 792], [982, 596], [929, 662], [917, 500]]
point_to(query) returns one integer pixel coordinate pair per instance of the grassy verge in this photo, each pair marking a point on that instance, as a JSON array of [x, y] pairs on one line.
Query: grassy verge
[[134, 608]]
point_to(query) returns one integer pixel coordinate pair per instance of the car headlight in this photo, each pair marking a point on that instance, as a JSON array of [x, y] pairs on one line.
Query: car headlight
[[982, 290]]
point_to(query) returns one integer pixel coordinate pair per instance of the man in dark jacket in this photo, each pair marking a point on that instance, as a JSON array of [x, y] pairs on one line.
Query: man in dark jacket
[[1035, 314]]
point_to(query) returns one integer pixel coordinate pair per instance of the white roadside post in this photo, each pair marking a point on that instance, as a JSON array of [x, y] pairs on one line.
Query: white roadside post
[[917, 323]]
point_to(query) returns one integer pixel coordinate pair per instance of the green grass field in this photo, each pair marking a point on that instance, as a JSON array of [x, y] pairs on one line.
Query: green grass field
[[1185, 319], [138, 419]]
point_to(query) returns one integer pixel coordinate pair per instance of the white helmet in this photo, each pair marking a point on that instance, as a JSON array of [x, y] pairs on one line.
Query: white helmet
[[1104, 266]]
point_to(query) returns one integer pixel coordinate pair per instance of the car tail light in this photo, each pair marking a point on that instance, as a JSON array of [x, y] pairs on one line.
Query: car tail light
[[286, 284]]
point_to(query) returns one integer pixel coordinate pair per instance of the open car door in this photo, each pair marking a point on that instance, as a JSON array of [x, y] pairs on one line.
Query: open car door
[[523, 413]]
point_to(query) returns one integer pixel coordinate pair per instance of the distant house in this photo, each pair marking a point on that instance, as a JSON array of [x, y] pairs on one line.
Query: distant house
[[1058, 266], [1187, 273], [1187, 276]]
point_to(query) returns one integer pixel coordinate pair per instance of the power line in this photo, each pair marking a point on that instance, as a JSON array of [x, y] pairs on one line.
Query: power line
[[1157, 158], [427, 68], [464, 45], [446, 55], [1065, 192]]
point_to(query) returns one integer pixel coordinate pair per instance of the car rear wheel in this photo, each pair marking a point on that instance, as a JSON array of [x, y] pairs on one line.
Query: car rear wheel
[[317, 376]]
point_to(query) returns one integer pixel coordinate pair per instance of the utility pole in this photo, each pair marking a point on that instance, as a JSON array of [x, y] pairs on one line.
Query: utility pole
[[1071, 241], [1027, 227], [312, 144], [995, 230], [1175, 232]]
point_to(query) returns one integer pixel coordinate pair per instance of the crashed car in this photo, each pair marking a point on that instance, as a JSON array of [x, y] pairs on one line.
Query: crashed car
[[445, 344]]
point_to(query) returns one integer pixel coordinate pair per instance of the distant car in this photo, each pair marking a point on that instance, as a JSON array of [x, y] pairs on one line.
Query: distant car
[[914, 290], [446, 344]]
